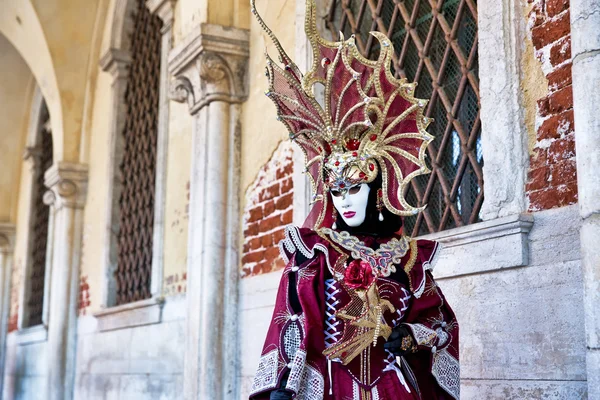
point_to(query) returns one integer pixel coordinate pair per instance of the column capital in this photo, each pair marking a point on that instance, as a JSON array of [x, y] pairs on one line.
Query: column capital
[[164, 10], [7, 237], [210, 65], [67, 184], [115, 62]]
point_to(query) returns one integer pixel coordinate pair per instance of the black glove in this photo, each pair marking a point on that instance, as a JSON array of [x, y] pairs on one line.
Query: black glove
[[281, 394], [400, 342]]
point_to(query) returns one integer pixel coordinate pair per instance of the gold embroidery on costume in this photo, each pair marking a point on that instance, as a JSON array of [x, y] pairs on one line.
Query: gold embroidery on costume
[[365, 315]]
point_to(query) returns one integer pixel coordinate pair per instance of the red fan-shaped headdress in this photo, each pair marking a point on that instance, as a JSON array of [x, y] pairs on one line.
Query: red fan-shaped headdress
[[368, 122]]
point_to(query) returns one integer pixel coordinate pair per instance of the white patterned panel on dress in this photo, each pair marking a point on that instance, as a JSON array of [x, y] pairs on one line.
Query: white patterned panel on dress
[[446, 370], [266, 374], [291, 340]]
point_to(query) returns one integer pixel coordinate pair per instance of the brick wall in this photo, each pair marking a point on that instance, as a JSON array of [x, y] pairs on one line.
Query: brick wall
[[267, 210], [552, 175]]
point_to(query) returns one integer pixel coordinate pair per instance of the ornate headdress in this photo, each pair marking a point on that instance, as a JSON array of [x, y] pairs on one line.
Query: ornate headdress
[[369, 121]]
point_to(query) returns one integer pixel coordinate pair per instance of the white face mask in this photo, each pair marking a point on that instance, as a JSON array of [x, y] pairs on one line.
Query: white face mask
[[352, 204]]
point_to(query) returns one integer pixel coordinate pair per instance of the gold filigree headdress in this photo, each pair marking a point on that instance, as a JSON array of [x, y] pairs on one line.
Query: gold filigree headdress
[[369, 121]]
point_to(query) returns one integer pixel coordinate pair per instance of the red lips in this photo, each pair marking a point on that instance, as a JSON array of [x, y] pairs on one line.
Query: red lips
[[349, 214]]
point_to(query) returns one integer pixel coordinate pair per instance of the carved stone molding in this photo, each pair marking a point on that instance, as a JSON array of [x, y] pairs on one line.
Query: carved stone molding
[[7, 237], [164, 10], [210, 65], [68, 185], [115, 62]]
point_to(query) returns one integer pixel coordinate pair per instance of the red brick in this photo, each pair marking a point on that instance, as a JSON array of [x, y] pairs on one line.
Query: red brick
[[256, 213], [560, 51], [266, 240], [556, 102], [269, 193], [269, 224], [251, 230], [538, 178], [279, 264], [287, 185], [254, 243], [553, 197], [269, 208], [287, 217], [562, 149], [560, 77], [278, 236], [563, 173], [253, 257], [246, 248], [537, 15], [284, 202], [555, 7], [557, 126], [551, 30], [538, 158], [287, 170], [271, 254]]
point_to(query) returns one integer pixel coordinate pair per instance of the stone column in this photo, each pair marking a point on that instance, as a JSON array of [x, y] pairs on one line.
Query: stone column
[[585, 37], [68, 188], [210, 68], [7, 236], [164, 10]]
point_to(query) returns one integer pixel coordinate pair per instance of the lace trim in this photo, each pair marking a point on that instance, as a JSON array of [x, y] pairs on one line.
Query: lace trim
[[423, 335], [293, 241], [305, 380], [446, 370], [266, 374], [291, 340]]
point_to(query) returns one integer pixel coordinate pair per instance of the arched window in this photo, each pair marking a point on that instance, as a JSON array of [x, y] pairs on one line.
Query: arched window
[[138, 164], [436, 46], [35, 282]]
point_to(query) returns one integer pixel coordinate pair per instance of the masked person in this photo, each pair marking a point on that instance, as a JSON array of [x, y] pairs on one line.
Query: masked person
[[358, 314]]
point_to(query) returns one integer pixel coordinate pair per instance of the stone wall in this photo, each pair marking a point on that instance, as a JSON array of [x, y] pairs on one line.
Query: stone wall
[[553, 175], [138, 362]]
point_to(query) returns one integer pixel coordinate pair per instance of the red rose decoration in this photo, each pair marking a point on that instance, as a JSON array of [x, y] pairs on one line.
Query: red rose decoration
[[358, 275]]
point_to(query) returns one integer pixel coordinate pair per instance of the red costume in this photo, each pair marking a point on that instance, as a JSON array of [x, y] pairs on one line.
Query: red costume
[[343, 299], [296, 342]]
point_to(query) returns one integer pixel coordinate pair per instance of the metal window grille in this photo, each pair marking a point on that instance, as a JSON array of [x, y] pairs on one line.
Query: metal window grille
[[39, 229], [138, 167], [436, 46]]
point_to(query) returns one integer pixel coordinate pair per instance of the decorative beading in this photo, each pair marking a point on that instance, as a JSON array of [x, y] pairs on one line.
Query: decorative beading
[[423, 335]]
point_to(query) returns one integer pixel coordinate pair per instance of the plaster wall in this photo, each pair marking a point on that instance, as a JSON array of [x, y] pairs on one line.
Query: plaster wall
[[514, 323], [15, 96], [261, 132]]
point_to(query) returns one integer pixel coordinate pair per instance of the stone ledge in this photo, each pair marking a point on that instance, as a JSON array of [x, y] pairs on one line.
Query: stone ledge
[[144, 312], [34, 334], [483, 247]]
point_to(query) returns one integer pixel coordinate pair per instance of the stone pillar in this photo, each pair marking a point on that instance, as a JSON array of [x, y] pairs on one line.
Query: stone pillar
[[585, 37], [68, 188], [164, 10], [7, 236], [210, 68], [504, 136]]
